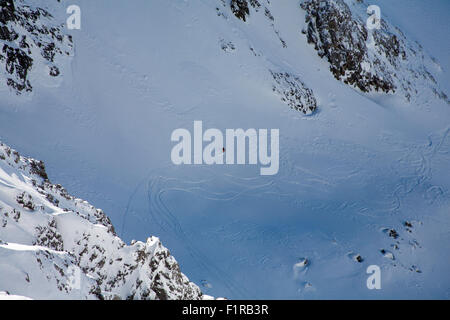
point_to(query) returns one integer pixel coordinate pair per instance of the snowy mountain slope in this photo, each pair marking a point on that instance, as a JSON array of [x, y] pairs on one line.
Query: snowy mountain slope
[[371, 60], [359, 166], [53, 246]]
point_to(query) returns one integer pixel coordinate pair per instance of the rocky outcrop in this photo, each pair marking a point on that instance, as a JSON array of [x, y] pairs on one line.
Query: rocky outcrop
[[294, 92], [29, 37], [240, 9]]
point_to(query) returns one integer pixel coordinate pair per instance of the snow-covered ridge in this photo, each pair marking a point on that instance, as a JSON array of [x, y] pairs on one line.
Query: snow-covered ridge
[[54, 246], [33, 45]]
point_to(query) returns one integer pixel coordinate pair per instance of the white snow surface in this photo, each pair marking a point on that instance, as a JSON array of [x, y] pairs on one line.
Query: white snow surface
[[6, 296], [364, 173]]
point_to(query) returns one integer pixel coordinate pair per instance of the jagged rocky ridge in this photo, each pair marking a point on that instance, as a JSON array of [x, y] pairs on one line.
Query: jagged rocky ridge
[[55, 246], [294, 92], [31, 42], [371, 60]]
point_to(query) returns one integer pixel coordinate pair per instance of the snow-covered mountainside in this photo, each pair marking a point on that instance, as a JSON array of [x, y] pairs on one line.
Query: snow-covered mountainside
[[364, 127], [54, 246]]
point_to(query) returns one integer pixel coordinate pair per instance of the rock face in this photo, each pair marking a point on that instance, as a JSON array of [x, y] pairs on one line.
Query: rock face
[[294, 92], [55, 246], [240, 9], [30, 39], [370, 60]]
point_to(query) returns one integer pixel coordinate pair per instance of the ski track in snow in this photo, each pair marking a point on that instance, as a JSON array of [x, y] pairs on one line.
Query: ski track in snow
[[413, 170], [164, 218]]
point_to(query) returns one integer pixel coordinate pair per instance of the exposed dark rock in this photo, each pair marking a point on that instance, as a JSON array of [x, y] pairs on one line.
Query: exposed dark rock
[[240, 9], [7, 10], [393, 233], [294, 92], [49, 236], [38, 168], [54, 71], [227, 46], [18, 64], [23, 27], [408, 224], [26, 201]]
